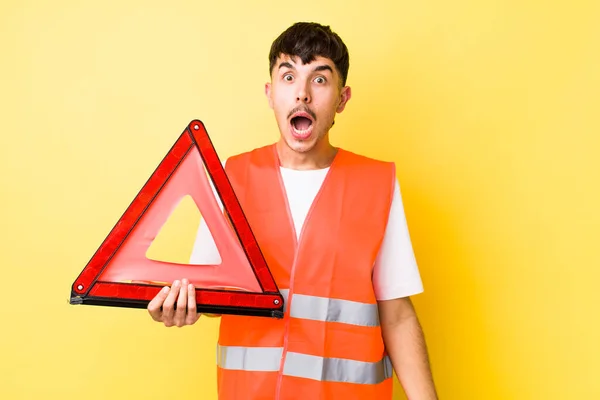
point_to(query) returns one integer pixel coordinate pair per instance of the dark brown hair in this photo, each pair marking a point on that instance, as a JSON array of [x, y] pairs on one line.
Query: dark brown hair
[[308, 40]]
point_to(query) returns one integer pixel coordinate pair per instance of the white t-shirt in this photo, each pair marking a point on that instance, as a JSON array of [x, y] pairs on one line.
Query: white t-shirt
[[395, 272]]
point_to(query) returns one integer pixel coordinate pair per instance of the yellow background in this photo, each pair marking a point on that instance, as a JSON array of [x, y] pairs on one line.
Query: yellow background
[[489, 108]]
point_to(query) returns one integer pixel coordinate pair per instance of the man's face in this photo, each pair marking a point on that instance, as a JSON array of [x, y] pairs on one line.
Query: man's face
[[305, 99]]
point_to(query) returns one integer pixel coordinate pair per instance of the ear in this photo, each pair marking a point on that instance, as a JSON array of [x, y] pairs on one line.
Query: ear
[[345, 95], [268, 94]]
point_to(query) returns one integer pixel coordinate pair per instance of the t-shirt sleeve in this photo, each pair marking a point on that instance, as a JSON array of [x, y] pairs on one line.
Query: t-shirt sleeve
[[396, 273], [205, 249]]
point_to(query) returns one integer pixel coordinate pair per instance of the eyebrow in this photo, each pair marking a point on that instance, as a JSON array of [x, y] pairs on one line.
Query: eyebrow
[[323, 68], [286, 64]]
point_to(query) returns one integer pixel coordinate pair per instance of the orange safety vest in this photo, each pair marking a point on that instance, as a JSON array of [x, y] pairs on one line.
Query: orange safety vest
[[329, 344]]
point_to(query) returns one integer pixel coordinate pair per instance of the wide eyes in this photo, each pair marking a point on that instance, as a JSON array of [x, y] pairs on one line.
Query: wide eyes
[[319, 79]]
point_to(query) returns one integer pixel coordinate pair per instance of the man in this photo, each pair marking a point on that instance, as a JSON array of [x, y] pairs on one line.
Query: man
[[332, 228]]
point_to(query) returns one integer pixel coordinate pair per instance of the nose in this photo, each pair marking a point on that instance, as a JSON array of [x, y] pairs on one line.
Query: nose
[[303, 94]]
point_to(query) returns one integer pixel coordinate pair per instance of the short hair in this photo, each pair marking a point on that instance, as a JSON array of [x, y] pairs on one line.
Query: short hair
[[308, 40]]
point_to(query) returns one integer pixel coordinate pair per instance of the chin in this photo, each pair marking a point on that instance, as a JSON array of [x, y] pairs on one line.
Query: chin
[[300, 146]]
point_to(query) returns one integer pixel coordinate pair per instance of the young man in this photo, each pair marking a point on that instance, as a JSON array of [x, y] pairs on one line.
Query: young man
[[332, 229]]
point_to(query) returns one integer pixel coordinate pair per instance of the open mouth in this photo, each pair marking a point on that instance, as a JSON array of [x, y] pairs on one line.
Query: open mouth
[[302, 125]]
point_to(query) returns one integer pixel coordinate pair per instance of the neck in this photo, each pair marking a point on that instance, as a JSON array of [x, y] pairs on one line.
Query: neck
[[319, 157]]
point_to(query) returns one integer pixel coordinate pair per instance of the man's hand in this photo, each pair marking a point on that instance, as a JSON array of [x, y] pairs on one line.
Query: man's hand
[[162, 308]]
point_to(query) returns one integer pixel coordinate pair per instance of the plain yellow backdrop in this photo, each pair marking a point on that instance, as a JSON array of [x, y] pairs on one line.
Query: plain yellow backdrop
[[489, 108]]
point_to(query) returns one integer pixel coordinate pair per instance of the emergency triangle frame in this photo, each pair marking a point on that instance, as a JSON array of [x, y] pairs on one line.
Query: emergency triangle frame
[[99, 285]]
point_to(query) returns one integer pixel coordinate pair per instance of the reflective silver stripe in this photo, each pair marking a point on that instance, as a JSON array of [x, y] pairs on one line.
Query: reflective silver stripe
[[337, 369], [249, 358], [334, 310], [285, 293], [304, 366]]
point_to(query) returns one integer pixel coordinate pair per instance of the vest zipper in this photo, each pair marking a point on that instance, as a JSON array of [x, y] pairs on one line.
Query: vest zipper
[[287, 317], [297, 242], [286, 329]]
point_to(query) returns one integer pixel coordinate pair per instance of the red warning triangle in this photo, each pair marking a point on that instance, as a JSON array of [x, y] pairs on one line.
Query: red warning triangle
[[242, 284]]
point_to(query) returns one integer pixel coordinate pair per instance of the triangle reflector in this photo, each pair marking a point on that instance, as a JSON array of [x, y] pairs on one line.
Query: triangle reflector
[[120, 274]]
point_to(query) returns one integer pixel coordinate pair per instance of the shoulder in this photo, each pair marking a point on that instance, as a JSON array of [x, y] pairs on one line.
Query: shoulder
[[247, 156], [366, 163], [361, 158]]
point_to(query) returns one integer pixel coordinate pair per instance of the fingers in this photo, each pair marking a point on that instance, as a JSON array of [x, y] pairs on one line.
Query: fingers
[[168, 312], [175, 306], [192, 314], [181, 310], [154, 307]]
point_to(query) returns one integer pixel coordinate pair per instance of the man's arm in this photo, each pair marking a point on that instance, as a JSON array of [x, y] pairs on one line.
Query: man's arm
[[406, 347]]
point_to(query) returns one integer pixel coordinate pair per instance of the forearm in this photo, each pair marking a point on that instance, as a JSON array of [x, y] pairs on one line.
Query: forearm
[[406, 346]]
